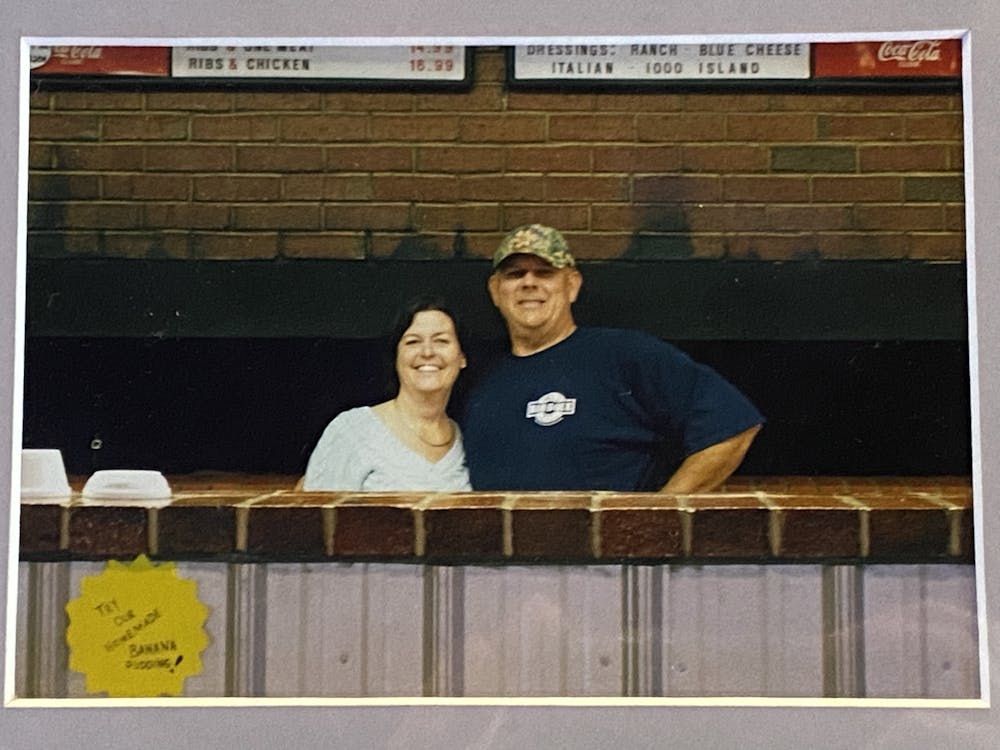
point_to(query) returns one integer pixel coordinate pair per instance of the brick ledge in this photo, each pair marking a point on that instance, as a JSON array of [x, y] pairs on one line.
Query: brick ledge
[[242, 518]]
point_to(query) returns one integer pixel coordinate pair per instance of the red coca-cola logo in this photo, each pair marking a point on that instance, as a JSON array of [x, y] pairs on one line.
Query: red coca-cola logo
[[910, 54]]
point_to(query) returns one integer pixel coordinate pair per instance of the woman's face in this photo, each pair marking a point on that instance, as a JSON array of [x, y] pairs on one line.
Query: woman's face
[[428, 355]]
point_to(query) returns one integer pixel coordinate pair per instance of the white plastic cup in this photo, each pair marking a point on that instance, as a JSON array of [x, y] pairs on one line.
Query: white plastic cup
[[43, 474], [126, 484]]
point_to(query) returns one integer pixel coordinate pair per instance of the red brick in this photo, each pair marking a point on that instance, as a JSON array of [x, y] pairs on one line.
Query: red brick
[[564, 216], [323, 245], [275, 101], [145, 127], [489, 65], [47, 186], [954, 217], [368, 531], [585, 187], [548, 159], [410, 246], [146, 186], [196, 529], [370, 158], [899, 217], [647, 101], [368, 101], [276, 216], [806, 218], [501, 187], [650, 217], [934, 126], [742, 102], [279, 158], [681, 127], [479, 99], [368, 216], [285, 533], [459, 159], [59, 244], [158, 243], [904, 158], [327, 187], [189, 101], [84, 215], [937, 246], [911, 529], [502, 128], [597, 127], [594, 246], [189, 158], [416, 188], [679, 188], [40, 156], [725, 218], [469, 527], [555, 528], [766, 246], [233, 128], [64, 127], [726, 159], [99, 100], [40, 528], [236, 188], [640, 527], [476, 217], [636, 158], [820, 527], [727, 527], [771, 128], [860, 127], [97, 157], [545, 102], [416, 128], [765, 189], [101, 532], [323, 128], [912, 103], [185, 215], [815, 103], [865, 245], [857, 188], [230, 246]]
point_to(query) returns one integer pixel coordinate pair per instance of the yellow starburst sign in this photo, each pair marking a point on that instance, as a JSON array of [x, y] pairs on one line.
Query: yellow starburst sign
[[136, 630]]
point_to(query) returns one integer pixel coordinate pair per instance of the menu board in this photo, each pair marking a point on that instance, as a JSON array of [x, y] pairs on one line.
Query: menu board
[[443, 62], [656, 63]]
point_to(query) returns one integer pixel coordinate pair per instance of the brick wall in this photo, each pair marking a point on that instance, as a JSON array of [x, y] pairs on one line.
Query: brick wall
[[349, 174]]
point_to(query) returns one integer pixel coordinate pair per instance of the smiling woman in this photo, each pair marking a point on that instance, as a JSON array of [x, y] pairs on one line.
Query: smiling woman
[[407, 442]]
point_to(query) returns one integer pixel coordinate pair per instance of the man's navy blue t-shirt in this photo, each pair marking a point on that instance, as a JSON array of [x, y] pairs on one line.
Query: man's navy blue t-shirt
[[598, 410]]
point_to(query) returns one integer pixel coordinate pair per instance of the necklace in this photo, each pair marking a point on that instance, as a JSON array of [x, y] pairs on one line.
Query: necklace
[[416, 431]]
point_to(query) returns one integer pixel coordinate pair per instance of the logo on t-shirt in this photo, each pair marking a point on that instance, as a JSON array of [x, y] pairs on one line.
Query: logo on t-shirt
[[550, 409]]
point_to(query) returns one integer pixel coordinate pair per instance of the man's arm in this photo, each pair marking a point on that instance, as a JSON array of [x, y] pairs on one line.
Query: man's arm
[[705, 470]]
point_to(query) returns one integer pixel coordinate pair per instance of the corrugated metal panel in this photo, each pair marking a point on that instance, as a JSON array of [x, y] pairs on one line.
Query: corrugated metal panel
[[920, 631], [397, 630]]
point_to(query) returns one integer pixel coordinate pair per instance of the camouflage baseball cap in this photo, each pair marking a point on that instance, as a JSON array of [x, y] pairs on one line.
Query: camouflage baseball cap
[[535, 239]]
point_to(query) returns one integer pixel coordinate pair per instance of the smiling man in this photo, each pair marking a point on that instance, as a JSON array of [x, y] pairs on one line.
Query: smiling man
[[575, 408]]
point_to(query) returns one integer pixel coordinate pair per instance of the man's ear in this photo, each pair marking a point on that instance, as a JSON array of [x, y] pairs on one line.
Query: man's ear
[[575, 282], [491, 284]]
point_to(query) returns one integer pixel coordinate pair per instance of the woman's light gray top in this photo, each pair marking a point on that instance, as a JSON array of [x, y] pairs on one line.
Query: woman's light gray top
[[357, 451]]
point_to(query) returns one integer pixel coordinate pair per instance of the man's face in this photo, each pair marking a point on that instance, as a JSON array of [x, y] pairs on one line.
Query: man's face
[[533, 296]]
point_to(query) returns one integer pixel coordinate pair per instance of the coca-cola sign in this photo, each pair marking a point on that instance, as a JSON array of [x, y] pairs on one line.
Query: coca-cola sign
[[924, 58], [99, 60], [910, 54]]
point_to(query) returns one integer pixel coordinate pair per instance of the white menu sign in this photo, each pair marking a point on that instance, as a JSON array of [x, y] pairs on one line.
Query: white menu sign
[[662, 62], [432, 63]]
